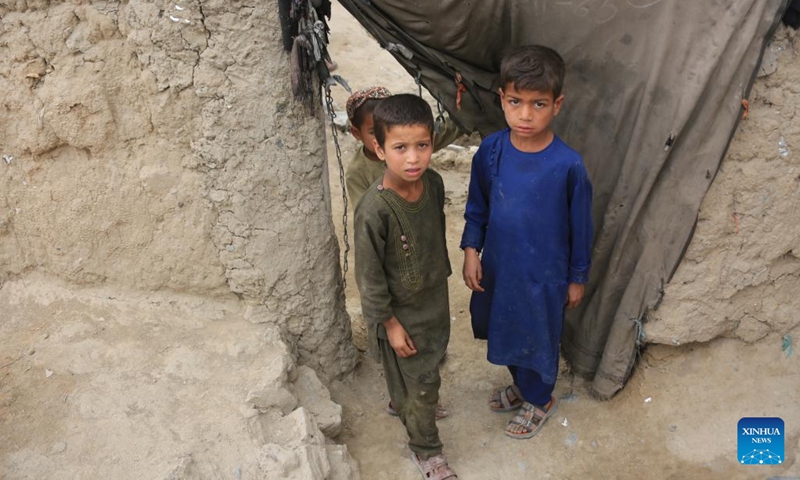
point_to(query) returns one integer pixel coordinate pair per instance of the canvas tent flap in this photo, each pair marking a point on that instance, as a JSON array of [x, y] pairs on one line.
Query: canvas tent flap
[[653, 95]]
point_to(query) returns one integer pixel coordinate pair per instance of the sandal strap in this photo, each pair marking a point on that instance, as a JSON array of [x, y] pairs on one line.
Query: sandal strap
[[436, 468], [529, 415], [505, 401]]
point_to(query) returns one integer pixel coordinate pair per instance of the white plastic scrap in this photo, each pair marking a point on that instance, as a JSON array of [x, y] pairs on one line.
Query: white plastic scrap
[[179, 8], [648, 400], [174, 19], [8, 159], [565, 423], [48, 373], [783, 149]]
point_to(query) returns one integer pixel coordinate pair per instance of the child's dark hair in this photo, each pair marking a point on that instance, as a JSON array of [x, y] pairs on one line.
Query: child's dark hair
[[533, 67], [365, 109], [404, 109]]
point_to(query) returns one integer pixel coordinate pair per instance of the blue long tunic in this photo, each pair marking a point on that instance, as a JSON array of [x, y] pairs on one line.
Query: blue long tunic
[[530, 214]]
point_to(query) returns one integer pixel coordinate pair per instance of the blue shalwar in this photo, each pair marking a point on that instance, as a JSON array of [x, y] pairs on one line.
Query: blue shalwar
[[530, 216]]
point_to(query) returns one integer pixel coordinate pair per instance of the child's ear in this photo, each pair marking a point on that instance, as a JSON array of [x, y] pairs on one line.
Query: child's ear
[[356, 133], [378, 149], [557, 104]]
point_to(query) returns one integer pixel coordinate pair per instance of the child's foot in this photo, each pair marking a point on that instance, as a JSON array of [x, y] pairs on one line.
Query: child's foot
[[506, 399], [530, 419], [441, 412], [434, 468]]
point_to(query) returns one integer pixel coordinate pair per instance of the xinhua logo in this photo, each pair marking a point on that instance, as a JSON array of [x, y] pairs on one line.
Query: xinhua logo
[[761, 441]]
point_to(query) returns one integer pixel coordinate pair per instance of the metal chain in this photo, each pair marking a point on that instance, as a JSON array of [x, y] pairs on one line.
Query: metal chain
[[335, 134]]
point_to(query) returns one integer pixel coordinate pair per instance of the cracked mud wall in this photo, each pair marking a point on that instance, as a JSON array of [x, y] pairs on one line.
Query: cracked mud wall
[[155, 146], [740, 276]]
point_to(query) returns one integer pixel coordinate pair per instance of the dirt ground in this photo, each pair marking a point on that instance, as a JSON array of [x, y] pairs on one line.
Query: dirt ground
[[676, 418]]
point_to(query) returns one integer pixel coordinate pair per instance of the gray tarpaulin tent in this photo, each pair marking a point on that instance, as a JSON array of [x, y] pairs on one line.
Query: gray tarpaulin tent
[[654, 91]]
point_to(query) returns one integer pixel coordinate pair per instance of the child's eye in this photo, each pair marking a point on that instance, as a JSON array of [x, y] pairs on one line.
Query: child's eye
[[400, 148], [539, 104], [513, 101], [423, 145]]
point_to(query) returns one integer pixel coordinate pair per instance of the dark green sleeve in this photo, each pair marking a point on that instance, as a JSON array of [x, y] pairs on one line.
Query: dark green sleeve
[[356, 185], [440, 198], [370, 243], [448, 135]]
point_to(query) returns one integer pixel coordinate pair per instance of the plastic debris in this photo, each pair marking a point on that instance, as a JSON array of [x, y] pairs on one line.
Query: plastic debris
[[783, 149], [179, 8], [48, 373], [230, 248], [648, 400], [786, 345], [571, 440], [672, 428], [522, 466], [8, 159], [595, 444], [565, 422]]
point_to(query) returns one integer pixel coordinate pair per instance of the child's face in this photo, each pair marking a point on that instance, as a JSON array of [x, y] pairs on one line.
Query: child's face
[[365, 133], [406, 151], [529, 112]]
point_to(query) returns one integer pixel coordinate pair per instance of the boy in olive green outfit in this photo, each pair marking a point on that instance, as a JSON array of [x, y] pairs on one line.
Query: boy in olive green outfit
[[401, 270], [365, 166]]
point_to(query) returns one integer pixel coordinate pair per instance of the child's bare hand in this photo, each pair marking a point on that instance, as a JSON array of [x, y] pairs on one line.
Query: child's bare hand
[[575, 293], [473, 271], [399, 339]]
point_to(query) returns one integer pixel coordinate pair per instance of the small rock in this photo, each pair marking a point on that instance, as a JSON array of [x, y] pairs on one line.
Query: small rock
[[672, 428], [46, 336], [594, 444], [58, 447], [31, 351], [48, 373], [230, 248]]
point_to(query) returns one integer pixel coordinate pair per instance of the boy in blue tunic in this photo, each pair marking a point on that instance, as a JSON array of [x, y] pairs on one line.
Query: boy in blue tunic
[[529, 217]]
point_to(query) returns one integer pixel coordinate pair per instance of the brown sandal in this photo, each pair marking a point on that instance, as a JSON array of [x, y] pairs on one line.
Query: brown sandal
[[434, 468], [531, 418], [501, 397]]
